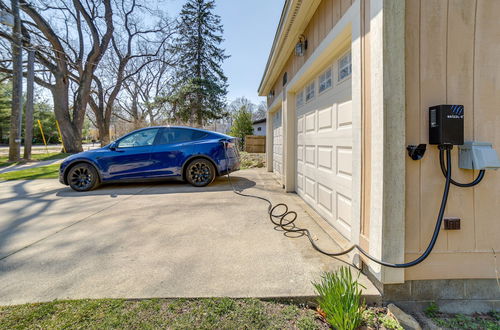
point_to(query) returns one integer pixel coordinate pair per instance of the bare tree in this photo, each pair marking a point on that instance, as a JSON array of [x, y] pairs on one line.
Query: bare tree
[[135, 46], [144, 96], [261, 111], [241, 103], [69, 39]]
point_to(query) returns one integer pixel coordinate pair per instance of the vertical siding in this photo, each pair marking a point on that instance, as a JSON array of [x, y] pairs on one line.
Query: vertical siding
[[433, 31], [487, 120], [413, 132], [452, 51], [460, 90], [344, 5]]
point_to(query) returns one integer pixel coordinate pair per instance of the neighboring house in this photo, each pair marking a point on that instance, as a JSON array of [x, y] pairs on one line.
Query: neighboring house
[[349, 84], [259, 127]]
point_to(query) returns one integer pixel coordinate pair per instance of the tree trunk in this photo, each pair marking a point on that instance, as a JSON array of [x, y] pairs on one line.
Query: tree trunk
[[104, 133], [103, 128], [71, 133], [28, 114], [102, 121], [17, 87]]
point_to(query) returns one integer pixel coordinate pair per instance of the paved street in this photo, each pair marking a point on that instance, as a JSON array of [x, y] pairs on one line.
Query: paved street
[[40, 149], [153, 240], [25, 166]]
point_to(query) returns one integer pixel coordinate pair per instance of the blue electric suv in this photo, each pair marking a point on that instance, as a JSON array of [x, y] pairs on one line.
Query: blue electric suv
[[153, 153]]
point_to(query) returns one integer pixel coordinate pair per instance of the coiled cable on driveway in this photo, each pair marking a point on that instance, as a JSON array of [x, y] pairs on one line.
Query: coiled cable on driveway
[[285, 219]]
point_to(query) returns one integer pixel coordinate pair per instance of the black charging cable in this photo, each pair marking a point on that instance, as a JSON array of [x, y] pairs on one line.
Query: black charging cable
[[285, 219], [480, 176]]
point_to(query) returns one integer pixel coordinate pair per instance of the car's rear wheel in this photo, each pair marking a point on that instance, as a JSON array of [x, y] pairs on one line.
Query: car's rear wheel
[[83, 177], [200, 172]]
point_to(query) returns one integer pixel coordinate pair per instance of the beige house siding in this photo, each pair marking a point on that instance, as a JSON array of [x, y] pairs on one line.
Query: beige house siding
[[452, 56], [325, 17]]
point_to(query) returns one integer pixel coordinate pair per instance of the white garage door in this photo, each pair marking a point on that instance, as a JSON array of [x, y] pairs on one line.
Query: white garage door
[[278, 144], [324, 151]]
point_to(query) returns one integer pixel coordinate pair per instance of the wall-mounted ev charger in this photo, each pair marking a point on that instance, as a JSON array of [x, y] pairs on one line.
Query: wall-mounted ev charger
[[446, 124]]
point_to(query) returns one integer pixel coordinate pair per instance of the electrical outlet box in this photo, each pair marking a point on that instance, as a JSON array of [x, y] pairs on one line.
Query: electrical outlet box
[[452, 223], [474, 155], [446, 124]]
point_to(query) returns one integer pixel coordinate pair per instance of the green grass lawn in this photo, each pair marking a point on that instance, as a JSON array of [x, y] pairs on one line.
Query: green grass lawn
[[42, 172], [212, 313], [4, 160]]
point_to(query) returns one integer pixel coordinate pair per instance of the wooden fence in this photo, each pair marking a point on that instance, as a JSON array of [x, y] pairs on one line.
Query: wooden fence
[[255, 143]]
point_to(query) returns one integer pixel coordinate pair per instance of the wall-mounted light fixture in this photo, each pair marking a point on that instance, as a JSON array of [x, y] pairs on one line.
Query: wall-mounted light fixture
[[301, 46]]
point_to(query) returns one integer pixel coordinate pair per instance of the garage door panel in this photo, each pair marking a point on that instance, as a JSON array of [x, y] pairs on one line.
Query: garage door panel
[[325, 119], [277, 144], [309, 169], [344, 115], [310, 151], [310, 122], [325, 198], [328, 179], [300, 125], [300, 181], [310, 187], [324, 155], [344, 161], [300, 153], [344, 211]]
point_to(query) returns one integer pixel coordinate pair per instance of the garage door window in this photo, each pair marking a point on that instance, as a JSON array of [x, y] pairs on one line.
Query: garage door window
[[345, 66], [310, 92], [325, 80], [277, 119], [299, 99]]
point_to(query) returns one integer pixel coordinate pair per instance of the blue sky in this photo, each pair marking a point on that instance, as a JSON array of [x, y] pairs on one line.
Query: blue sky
[[249, 27]]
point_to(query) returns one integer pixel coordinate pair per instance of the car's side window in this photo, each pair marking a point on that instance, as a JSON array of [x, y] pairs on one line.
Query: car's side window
[[139, 139], [179, 135]]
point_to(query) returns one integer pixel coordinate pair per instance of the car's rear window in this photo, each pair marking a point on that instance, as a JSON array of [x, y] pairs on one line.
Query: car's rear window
[[179, 135]]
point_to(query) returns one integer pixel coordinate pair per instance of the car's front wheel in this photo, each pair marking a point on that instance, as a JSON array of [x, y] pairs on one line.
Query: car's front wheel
[[200, 172], [82, 177]]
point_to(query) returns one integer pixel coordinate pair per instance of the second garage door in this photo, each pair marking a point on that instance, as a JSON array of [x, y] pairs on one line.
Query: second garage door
[[324, 146], [278, 144]]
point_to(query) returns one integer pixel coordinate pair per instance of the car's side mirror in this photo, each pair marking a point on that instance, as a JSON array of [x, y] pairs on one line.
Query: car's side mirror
[[113, 146]]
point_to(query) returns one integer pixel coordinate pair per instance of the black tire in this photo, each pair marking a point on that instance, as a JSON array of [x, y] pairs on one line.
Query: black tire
[[82, 177], [200, 172]]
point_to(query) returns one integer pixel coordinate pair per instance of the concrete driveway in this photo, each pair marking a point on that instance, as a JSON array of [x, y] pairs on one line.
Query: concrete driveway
[[153, 240]]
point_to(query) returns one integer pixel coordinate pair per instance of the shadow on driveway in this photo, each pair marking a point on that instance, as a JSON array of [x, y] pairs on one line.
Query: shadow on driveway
[[159, 187]]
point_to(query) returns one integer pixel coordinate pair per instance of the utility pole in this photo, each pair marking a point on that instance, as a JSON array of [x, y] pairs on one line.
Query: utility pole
[[28, 113], [17, 86]]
